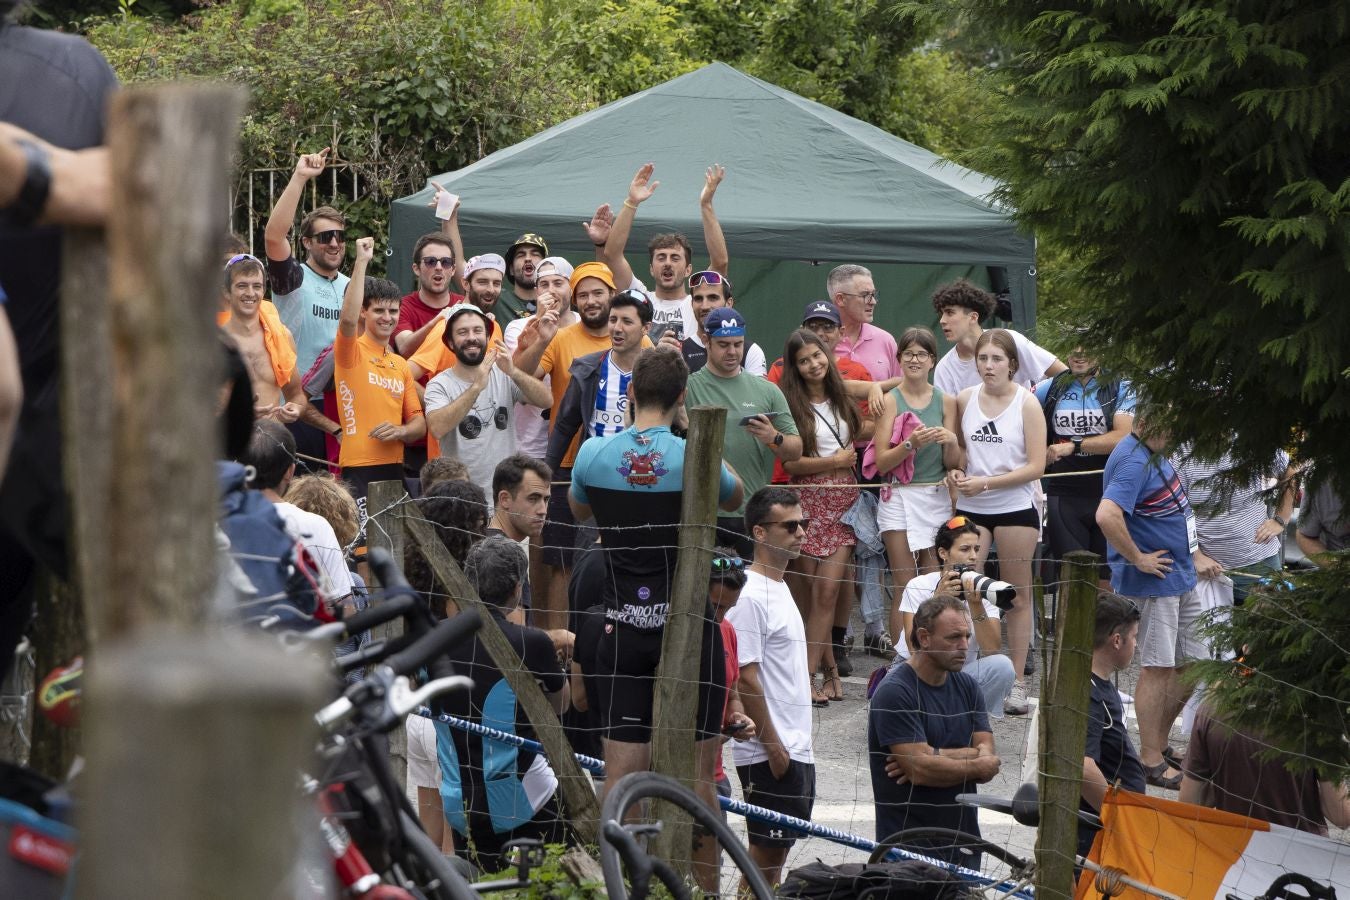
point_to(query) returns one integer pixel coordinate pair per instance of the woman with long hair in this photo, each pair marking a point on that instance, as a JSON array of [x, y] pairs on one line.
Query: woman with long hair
[[1003, 435], [909, 513], [828, 423]]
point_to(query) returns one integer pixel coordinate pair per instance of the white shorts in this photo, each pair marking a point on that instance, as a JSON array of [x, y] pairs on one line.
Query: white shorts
[[1167, 630], [917, 511]]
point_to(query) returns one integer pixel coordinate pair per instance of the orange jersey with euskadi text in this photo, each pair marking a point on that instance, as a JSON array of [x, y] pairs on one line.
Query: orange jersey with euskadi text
[[373, 385]]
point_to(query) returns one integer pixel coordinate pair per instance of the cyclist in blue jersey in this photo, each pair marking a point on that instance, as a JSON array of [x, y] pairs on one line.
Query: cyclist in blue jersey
[[632, 482]]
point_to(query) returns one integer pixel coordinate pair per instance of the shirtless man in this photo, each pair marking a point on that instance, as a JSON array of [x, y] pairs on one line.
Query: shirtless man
[[264, 343]]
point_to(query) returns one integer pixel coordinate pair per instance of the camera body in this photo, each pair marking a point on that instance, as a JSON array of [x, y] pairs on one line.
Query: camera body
[[999, 593]]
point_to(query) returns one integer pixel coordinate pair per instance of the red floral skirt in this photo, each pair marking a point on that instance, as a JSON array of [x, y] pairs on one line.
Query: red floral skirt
[[824, 507]]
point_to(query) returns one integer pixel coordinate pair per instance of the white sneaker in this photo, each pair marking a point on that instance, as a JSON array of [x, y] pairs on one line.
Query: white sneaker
[[1016, 704]]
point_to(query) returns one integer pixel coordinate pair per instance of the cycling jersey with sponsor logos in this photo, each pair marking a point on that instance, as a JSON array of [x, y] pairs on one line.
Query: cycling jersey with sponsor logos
[[373, 386], [1078, 414]]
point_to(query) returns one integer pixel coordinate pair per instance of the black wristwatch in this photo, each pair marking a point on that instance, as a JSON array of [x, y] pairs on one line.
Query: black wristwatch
[[778, 439], [37, 184], [1078, 445]]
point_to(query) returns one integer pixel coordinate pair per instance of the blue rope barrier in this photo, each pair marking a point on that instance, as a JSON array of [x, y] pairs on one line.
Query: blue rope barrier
[[728, 804]]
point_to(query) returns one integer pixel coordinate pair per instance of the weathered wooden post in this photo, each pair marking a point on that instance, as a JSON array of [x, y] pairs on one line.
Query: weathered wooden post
[[195, 738], [676, 705], [1063, 727]]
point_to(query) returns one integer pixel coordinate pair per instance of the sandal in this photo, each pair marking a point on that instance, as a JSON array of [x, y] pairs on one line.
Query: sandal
[[833, 688], [1155, 775], [818, 698], [1177, 760]]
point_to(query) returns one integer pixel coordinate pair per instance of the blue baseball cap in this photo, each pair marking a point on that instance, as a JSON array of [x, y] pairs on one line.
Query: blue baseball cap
[[725, 322], [821, 309]]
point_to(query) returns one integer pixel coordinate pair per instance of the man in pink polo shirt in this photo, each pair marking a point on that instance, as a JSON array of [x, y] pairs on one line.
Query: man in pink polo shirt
[[855, 296]]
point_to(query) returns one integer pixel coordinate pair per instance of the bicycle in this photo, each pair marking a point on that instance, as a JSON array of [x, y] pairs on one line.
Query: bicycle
[[620, 845]]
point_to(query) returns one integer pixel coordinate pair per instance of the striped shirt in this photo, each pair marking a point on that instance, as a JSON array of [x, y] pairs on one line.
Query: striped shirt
[[1227, 523]]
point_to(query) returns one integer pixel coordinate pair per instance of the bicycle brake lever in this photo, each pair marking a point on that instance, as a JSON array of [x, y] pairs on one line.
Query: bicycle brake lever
[[403, 700], [328, 632]]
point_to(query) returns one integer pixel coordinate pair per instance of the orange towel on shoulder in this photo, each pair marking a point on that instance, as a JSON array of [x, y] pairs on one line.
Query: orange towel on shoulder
[[276, 338]]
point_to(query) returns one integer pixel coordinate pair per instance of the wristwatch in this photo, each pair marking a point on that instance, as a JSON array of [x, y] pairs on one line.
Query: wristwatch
[[1078, 445], [778, 439], [37, 184], [908, 445]]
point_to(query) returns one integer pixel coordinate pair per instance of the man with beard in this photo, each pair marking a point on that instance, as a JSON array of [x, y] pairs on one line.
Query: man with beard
[[483, 283], [928, 735], [670, 254], [434, 265], [544, 349], [471, 405], [522, 269], [378, 407], [711, 290]]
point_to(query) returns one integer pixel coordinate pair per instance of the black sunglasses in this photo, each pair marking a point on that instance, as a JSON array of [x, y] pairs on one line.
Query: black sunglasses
[[332, 236], [445, 262], [791, 525]]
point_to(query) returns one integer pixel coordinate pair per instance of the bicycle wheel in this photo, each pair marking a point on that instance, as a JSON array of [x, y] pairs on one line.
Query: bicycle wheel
[[423, 868], [640, 786], [997, 865]]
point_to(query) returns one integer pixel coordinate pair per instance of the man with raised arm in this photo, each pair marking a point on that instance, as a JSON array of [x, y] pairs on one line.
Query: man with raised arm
[[670, 254], [928, 735], [470, 407], [483, 286], [307, 294], [378, 407]]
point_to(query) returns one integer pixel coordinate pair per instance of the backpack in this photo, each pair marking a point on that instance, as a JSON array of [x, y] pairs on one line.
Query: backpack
[[283, 574], [1108, 395], [908, 879]]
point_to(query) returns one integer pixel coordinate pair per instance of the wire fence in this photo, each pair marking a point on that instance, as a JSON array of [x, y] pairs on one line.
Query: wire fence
[[848, 772]]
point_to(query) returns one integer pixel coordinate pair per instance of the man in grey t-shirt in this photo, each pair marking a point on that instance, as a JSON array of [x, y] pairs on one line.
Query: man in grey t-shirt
[[1321, 521], [470, 407]]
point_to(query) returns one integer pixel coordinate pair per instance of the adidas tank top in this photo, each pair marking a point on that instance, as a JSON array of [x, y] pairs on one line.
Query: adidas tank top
[[995, 447]]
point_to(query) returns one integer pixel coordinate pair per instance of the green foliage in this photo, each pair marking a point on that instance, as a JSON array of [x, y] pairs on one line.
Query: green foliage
[[550, 882], [403, 89], [1190, 161], [1292, 688]]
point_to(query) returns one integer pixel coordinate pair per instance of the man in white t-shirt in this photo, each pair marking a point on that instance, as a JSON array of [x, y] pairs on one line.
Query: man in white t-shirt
[[470, 407], [961, 306], [670, 254], [776, 768], [271, 453], [552, 291]]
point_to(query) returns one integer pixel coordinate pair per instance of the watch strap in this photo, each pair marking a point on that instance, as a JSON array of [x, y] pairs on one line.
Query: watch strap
[[37, 184]]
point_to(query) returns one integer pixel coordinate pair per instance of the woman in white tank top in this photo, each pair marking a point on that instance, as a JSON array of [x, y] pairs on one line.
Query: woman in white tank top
[[1002, 435]]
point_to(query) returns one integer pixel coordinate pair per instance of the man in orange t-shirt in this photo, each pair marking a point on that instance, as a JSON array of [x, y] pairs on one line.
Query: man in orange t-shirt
[[378, 407]]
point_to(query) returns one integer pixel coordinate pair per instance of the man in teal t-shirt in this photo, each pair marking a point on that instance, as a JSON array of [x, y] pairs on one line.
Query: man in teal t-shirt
[[769, 431]]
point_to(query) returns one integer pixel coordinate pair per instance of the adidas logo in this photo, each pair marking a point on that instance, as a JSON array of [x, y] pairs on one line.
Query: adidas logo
[[987, 435]]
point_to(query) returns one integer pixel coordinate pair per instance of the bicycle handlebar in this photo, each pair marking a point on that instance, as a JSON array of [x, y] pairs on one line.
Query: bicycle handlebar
[[435, 642], [378, 614]]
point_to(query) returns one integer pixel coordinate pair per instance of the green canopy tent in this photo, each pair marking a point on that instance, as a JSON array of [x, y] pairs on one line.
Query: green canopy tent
[[807, 188]]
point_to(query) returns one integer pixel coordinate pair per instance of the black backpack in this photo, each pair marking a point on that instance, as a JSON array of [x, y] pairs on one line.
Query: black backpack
[[908, 879]]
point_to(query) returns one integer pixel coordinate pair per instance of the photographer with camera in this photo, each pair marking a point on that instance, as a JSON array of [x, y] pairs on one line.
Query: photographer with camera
[[958, 551]]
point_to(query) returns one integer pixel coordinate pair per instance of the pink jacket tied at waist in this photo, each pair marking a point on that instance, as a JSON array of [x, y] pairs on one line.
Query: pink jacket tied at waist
[[905, 424]]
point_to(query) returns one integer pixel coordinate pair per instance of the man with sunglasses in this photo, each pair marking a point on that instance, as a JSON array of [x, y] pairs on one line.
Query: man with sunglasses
[[777, 767], [434, 266], [470, 407], [670, 255], [711, 290], [308, 295], [855, 297]]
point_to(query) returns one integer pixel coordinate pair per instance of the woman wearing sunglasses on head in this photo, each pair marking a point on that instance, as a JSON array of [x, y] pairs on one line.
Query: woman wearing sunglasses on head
[[1003, 435], [829, 423], [957, 544]]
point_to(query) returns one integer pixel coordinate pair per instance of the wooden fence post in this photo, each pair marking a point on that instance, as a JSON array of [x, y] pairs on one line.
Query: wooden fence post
[[384, 528], [676, 700], [583, 813], [195, 738], [1063, 727]]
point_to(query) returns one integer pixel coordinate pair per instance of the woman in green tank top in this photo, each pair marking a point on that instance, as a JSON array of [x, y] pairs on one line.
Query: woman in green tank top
[[911, 511]]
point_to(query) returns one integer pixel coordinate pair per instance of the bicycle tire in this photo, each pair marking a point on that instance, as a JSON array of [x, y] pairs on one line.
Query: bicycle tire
[[423, 862], [957, 839], [638, 786]]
